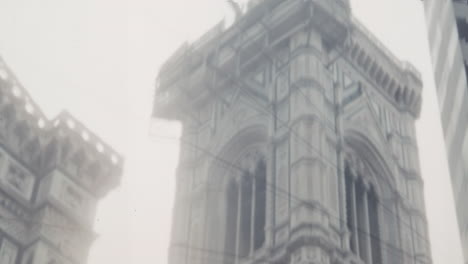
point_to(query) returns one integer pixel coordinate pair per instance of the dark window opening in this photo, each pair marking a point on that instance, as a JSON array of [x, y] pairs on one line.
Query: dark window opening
[[246, 217], [362, 217], [245, 214], [462, 26]]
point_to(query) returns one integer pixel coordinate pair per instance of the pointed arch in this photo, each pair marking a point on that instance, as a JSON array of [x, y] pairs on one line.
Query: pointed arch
[[238, 195], [374, 155], [371, 192], [249, 137]]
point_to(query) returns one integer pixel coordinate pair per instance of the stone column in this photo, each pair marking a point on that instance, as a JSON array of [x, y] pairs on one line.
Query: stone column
[[345, 233], [340, 154], [367, 244], [354, 236], [239, 216], [252, 215], [270, 196], [270, 164]]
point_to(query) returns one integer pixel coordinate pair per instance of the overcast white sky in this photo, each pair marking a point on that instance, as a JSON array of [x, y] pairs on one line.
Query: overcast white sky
[[99, 60]]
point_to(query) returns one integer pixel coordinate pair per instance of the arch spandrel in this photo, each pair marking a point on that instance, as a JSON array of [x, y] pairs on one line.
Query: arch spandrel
[[240, 153], [235, 146], [373, 169], [373, 156], [229, 163], [364, 122], [239, 116]]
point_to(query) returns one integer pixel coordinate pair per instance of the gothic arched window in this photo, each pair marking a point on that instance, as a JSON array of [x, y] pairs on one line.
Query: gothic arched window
[[245, 213], [362, 216]]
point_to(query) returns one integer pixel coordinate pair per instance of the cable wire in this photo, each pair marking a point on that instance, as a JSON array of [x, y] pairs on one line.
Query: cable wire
[[288, 196], [274, 116], [281, 190], [273, 57]]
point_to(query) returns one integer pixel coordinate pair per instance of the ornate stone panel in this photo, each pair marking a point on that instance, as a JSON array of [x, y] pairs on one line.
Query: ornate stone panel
[[307, 140], [282, 120], [60, 190], [19, 180], [40, 253], [8, 252], [33, 148]]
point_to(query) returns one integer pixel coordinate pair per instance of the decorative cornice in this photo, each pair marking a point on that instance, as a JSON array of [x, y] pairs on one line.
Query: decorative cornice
[[399, 80], [43, 144]]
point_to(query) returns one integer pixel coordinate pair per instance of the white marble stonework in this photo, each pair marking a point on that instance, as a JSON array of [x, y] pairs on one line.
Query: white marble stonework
[[8, 252], [20, 180], [306, 151], [52, 173]]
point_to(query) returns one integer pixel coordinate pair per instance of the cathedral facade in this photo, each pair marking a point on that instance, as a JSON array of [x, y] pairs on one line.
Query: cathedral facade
[[52, 174], [298, 142]]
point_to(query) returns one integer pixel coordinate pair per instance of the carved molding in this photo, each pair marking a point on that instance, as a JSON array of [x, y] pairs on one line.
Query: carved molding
[[26, 133], [8, 252]]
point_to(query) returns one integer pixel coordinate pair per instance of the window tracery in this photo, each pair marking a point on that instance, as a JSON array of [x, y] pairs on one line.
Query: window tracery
[[362, 212], [246, 208]]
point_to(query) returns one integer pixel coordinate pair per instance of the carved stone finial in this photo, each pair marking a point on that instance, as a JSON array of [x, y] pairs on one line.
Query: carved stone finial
[[236, 8]]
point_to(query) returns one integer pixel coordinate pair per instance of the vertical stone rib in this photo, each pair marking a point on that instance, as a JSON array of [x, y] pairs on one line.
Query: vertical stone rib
[[355, 237], [269, 210], [253, 215], [239, 218], [270, 189], [270, 183], [367, 246]]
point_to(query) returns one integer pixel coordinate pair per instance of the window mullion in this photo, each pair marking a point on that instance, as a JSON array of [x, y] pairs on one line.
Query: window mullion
[[367, 245], [253, 216], [239, 218], [355, 236]]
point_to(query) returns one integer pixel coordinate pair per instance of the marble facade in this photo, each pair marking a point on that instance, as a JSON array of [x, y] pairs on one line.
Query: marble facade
[[52, 174], [298, 142]]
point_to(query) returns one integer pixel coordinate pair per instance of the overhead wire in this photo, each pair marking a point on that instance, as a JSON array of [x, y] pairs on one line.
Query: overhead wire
[[287, 195], [276, 188], [275, 117], [290, 129], [284, 193], [242, 86]]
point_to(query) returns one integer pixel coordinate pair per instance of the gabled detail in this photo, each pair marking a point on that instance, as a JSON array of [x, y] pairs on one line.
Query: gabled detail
[[260, 77], [363, 119], [373, 58], [232, 95], [244, 112]]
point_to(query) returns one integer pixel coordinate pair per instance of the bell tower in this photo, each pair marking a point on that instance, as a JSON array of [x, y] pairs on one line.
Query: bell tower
[[298, 142]]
